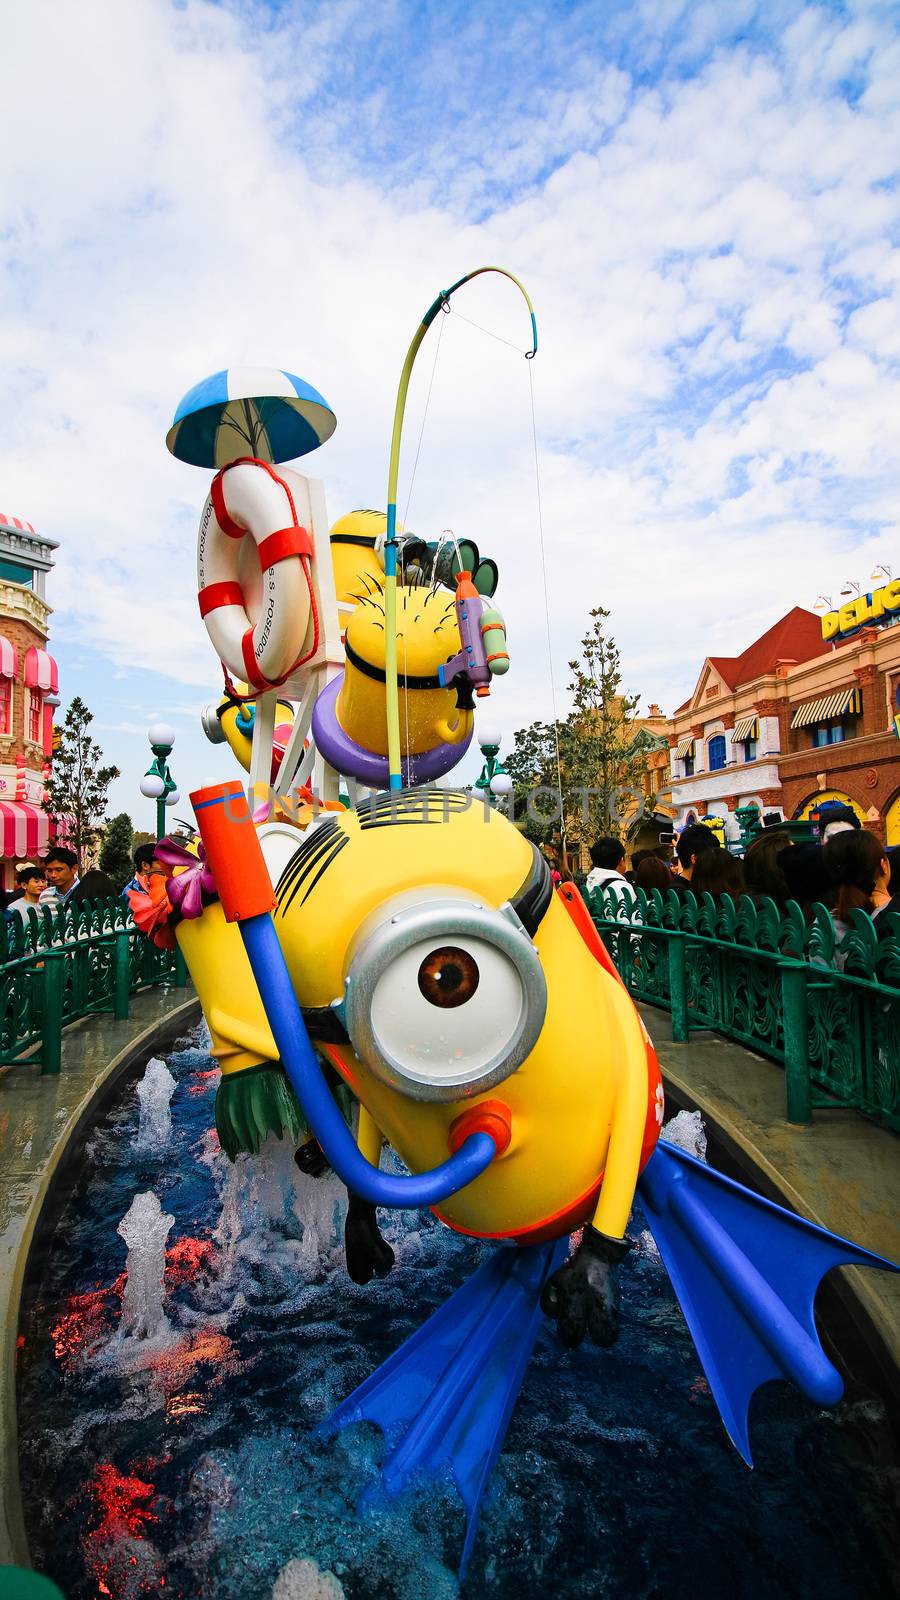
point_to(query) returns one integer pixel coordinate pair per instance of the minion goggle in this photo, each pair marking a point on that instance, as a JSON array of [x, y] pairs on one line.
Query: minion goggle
[[445, 996]]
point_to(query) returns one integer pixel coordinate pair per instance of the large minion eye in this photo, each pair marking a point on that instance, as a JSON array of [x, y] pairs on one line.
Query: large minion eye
[[445, 1001], [448, 977]]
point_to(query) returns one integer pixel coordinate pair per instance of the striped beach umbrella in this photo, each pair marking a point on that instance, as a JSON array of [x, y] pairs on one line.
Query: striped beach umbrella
[[249, 411]]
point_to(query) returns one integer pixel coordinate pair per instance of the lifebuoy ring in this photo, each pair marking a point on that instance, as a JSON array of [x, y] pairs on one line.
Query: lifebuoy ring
[[250, 497]]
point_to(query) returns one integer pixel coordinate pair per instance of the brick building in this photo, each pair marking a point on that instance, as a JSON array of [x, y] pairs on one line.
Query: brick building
[[28, 693], [794, 720]]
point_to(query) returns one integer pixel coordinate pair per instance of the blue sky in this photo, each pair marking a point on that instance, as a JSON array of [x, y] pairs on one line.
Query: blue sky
[[702, 200]]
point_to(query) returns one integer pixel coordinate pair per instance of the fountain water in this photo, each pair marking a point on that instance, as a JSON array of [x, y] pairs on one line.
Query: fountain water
[[273, 1218], [145, 1228], [686, 1132], [304, 1580], [187, 1463], [154, 1093]]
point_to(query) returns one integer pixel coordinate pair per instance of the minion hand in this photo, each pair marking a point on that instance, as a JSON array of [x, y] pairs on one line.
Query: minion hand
[[311, 1159], [367, 1254], [583, 1296]]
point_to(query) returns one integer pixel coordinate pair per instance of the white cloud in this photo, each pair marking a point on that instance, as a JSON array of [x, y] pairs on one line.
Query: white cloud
[[712, 254]]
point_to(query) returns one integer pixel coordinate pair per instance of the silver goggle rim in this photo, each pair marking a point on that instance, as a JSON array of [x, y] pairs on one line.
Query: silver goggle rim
[[440, 921]]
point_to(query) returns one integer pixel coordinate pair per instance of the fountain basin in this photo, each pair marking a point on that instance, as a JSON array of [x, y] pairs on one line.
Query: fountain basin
[[202, 1468]]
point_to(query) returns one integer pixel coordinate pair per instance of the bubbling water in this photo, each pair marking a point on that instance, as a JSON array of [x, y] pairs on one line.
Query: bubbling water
[[154, 1093], [304, 1580], [145, 1228]]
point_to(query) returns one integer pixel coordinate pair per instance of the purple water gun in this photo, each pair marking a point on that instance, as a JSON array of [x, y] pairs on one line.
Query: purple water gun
[[483, 638]]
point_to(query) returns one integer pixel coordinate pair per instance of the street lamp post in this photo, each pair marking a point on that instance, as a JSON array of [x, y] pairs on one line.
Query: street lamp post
[[494, 779], [157, 783]]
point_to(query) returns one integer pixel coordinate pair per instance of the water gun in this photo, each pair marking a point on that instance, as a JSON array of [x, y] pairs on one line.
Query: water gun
[[482, 634]]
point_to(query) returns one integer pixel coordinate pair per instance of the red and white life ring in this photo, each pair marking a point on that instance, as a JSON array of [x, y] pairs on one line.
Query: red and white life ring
[[256, 593]]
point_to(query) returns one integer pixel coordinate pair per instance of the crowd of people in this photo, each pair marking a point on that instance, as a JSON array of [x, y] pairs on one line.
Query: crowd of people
[[56, 880], [845, 868]]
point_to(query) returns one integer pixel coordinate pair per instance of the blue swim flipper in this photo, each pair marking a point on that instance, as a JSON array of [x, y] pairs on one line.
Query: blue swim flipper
[[746, 1273], [444, 1399]]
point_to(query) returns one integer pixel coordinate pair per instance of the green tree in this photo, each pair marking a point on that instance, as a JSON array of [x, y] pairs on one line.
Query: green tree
[[115, 854], [533, 768], [78, 784], [606, 755]]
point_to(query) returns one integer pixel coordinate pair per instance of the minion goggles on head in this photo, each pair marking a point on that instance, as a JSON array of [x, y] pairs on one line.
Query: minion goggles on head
[[445, 996]]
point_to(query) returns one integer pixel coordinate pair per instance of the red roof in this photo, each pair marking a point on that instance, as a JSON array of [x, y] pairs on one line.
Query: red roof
[[797, 637]]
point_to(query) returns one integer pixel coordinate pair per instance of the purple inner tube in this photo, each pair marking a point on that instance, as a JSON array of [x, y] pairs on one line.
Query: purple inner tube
[[353, 761]]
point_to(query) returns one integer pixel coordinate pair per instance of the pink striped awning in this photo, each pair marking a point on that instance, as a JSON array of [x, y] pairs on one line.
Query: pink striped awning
[[26, 829], [41, 671], [9, 659], [15, 522]]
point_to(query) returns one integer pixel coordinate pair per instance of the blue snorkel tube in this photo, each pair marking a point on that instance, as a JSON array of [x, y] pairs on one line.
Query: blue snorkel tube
[[236, 861]]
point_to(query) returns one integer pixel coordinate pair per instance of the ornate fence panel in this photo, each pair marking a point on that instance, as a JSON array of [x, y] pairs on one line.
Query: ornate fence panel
[[827, 1008], [61, 963]]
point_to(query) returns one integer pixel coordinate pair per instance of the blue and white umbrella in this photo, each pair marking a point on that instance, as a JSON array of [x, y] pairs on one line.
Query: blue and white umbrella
[[249, 411]]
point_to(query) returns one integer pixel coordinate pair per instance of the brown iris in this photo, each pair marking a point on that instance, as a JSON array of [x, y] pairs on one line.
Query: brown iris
[[448, 977]]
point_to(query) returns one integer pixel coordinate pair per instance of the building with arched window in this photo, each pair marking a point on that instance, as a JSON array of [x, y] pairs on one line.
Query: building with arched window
[[28, 693]]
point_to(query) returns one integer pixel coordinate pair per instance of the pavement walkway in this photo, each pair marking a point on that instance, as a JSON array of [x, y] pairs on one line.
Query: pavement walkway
[[841, 1170], [39, 1120]]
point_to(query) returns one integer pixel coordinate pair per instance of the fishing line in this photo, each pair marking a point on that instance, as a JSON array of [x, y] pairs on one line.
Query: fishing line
[[491, 335], [537, 480]]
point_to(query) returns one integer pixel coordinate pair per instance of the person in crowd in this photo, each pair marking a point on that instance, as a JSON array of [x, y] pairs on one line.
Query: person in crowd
[[636, 859], [834, 817], [607, 872], [143, 863], [693, 842], [806, 875], [762, 874], [30, 885], [718, 872], [858, 866], [652, 873], [63, 877]]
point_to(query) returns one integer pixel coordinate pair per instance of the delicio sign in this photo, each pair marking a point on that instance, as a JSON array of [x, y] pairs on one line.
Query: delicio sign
[[875, 607]]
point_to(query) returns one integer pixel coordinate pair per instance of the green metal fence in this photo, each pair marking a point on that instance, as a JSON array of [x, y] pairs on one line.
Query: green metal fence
[[774, 981], [61, 963]]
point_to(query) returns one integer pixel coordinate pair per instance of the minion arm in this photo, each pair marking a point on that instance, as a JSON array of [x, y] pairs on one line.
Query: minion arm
[[369, 1138], [625, 1141]]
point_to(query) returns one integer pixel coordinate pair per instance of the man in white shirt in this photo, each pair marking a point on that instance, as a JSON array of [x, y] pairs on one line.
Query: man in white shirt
[[608, 856], [30, 882]]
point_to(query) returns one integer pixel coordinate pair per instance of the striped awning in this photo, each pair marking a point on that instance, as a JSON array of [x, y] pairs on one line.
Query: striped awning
[[684, 747], [9, 659], [831, 705], [26, 829], [745, 728], [41, 671]]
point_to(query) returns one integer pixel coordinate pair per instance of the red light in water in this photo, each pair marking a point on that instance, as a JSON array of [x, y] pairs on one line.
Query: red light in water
[[201, 1082], [87, 1317], [124, 1502], [185, 1257]]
